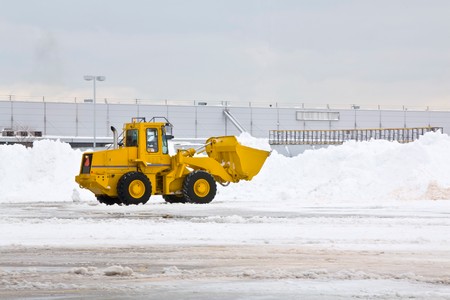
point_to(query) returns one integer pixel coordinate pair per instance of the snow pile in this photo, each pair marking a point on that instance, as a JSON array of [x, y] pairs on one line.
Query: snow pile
[[44, 172], [247, 140], [83, 270], [172, 271], [354, 171], [118, 271], [115, 270]]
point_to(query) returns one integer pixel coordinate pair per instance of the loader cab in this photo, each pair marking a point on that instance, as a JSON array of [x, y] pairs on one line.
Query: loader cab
[[149, 137], [158, 134]]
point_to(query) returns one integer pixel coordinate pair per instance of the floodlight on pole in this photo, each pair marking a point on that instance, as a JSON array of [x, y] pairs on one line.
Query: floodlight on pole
[[94, 79]]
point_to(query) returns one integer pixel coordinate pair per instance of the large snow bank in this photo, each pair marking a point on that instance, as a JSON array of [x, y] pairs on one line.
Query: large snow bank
[[44, 172], [354, 171]]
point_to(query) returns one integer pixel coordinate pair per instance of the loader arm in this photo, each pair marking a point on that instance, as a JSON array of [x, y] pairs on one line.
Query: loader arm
[[205, 163]]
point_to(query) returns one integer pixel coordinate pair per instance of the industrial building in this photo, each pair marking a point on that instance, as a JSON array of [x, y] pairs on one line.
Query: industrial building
[[79, 122]]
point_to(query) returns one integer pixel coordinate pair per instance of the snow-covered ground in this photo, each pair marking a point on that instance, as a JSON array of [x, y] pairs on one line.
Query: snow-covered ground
[[365, 219]]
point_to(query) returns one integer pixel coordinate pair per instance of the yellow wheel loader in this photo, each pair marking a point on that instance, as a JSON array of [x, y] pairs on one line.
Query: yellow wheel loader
[[140, 166]]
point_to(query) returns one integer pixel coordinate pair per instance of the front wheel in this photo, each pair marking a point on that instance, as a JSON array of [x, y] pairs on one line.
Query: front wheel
[[199, 187], [134, 188]]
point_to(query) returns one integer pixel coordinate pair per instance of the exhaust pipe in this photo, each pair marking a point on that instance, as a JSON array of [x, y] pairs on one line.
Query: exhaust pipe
[[115, 137]]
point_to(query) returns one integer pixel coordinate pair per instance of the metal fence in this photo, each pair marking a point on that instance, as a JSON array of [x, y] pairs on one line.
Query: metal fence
[[257, 103]]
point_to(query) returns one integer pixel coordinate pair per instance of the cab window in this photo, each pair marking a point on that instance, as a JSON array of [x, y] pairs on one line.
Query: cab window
[[132, 138], [152, 140]]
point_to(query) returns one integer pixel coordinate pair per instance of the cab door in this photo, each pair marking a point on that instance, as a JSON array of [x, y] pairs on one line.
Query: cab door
[[156, 149], [131, 143]]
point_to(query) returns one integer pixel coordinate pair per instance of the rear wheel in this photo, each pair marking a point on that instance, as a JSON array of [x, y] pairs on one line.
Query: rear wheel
[[174, 198], [108, 200], [199, 187], [134, 188]]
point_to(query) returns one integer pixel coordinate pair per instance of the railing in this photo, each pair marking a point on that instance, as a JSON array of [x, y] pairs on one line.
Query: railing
[[336, 137]]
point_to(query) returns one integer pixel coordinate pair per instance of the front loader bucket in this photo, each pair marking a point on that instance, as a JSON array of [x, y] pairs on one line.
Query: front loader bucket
[[241, 162]]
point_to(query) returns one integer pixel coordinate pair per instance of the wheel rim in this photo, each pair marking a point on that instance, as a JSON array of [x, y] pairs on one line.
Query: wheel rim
[[136, 189], [201, 188]]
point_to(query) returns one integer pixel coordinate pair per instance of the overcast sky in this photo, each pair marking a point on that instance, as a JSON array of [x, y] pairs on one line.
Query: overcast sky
[[366, 52]]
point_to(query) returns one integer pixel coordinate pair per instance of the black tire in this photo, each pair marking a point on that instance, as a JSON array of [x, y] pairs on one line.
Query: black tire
[[199, 187], [134, 188], [108, 200], [174, 198]]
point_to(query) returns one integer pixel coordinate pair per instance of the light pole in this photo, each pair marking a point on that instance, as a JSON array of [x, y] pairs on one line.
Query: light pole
[[94, 79]]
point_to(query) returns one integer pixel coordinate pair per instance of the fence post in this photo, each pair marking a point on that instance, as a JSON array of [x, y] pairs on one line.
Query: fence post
[[108, 122], [251, 118], [76, 119], [195, 121], [11, 111], [167, 109], [379, 110], [404, 116], [45, 118], [278, 116]]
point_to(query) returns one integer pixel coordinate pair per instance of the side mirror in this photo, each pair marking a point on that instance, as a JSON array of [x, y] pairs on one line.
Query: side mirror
[[169, 136]]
